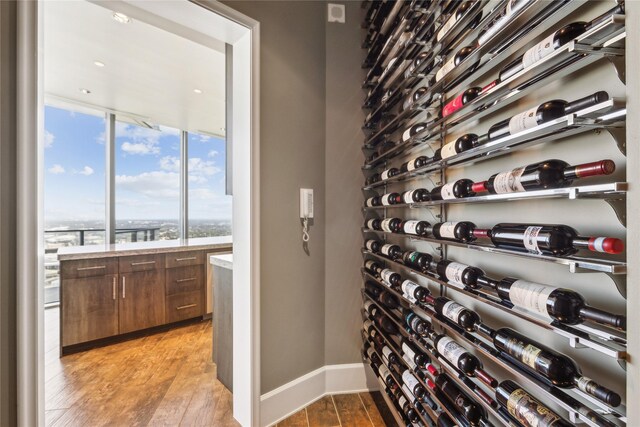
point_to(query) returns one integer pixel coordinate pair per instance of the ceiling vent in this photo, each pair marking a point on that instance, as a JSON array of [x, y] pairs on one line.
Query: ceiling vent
[[336, 13]]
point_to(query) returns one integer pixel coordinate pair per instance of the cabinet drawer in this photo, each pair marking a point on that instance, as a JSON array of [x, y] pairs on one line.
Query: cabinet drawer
[[88, 268], [184, 306], [184, 279], [141, 263], [181, 259]]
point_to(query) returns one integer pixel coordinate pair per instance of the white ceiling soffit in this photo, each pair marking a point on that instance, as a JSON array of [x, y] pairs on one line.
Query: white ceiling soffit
[[151, 66]]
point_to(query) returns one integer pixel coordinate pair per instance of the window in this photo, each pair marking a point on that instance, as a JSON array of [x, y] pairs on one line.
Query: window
[[209, 207], [74, 185], [147, 182]]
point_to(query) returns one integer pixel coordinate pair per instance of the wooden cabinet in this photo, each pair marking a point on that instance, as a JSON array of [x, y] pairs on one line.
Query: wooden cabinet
[[141, 300]]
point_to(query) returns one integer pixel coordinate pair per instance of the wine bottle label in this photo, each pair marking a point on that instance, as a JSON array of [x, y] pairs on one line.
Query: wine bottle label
[[407, 102], [523, 121], [369, 265], [409, 380], [453, 106], [408, 392], [452, 310], [537, 52], [406, 135], [386, 276], [508, 182], [410, 363], [528, 411], [447, 230], [411, 165], [385, 174], [409, 287], [408, 351], [448, 150], [530, 240], [402, 401], [446, 68], [408, 196], [386, 200], [414, 323], [450, 350], [384, 372], [367, 305], [370, 224], [367, 325], [410, 227], [386, 352], [454, 272], [386, 225], [446, 192], [531, 296], [526, 353], [446, 27], [410, 298], [369, 245], [370, 352], [370, 202], [386, 249], [587, 385]]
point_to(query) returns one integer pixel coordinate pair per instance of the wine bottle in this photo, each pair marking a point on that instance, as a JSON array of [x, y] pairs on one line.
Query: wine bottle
[[512, 7], [371, 354], [417, 228], [462, 231], [416, 323], [455, 272], [454, 61], [372, 288], [469, 409], [389, 199], [467, 6], [415, 196], [372, 268], [556, 367], [417, 260], [544, 48], [373, 224], [416, 356], [367, 325], [388, 299], [461, 100], [417, 403], [459, 314], [390, 278], [526, 409], [414, 291], [373, 245], [413, 131], [551, 239], [454, 190], [444, 420], [391, 225], [373, 334], [386, 324], [389, 356], [563, 305], [385, 374], [413, 384], [391, 251], [414, 97], [389, 173], [461, 144], [413, 164], [408, 410], [370, 308], [543, 113], [466, 362], [416, 63], [373, 201], [544, 175]]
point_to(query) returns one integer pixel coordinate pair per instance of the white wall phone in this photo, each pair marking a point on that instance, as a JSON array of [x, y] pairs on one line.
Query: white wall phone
[[306, 211]]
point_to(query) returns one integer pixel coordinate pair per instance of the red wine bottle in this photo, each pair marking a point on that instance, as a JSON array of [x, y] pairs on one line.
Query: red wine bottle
[[372, 179], [408, 410], [373, 288], [455, 272], [373, 334], [391, 225], [460, 315], [372, 267], [415, 97], [544, 48], [391, 251], [413, 384], [413, 131], [373, 201], [370, 308], [414, 164], [468, 408], [415, 196], [388, 299], [386, 324], [371, 354], [561, 370], [373, 245], [416, 324], [551, 239], [563, 305], [417, 260], [462, 231], [464, 8], [416, 356], [390, 278], [389, 356], [545, 175], [414, 291], [526, 409], [454, 61], [415, 227], [461, 144], [389, 199], [466, 362], [417, 63], [543, 113], [367, 325], [454, 190], [387, 377], [461, 100], [388, 173], [373, 224]]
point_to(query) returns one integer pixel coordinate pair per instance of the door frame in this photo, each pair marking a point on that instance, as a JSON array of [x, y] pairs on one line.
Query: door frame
[[243, 35]]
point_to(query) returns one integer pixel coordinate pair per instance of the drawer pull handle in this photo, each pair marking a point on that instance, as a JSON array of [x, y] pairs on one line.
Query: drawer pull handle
[[97, 267], [114, 288], [142, 263], [191, 258], [124, 287], [185, 280], [182, 307]]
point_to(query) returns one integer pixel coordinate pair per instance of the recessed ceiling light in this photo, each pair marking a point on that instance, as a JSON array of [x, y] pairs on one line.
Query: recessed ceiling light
[[85, 91], [121, 17], [99, 63], [198, 91]]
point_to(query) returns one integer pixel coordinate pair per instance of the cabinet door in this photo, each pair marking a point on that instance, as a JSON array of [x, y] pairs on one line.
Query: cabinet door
[[89, 309], [141, 300]]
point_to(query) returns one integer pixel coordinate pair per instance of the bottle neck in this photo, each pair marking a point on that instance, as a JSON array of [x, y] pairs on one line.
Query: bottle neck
[[608, 245], [487, 282], [479, 187], [603, 167], [599, 316], [482, 233]]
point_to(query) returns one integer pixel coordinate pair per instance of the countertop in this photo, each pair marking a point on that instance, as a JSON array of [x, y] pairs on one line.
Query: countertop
[[219, 243], [224, 261]]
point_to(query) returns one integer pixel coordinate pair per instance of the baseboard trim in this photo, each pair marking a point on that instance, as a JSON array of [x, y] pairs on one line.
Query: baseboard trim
[[289, 398]]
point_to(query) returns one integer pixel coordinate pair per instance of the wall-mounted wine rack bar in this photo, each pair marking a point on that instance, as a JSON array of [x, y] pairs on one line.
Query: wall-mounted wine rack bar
[[437, 72]]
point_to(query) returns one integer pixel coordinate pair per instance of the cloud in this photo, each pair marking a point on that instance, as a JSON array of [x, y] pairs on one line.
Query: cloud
[[100, 139], [142, 140], [86, 171], [212, 153], [170, 163], [142, 148], [199, 169], [56, 169], [48, 139], [156, 184]]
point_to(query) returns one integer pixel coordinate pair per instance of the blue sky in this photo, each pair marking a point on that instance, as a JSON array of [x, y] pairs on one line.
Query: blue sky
[[147, 171]]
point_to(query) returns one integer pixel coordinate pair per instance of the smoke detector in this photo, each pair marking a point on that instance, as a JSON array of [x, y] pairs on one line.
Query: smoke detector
[[336, 13]]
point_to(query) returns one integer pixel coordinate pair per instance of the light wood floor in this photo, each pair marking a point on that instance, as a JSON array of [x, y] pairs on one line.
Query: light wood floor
[[164, 379]]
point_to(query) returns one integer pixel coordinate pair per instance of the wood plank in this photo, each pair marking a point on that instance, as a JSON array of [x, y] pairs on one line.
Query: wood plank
[[299, 419], [351, 411], [322, 413], [372, 410]]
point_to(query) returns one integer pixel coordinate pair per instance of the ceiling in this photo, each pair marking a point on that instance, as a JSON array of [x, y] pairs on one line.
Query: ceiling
[[149, 72]]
